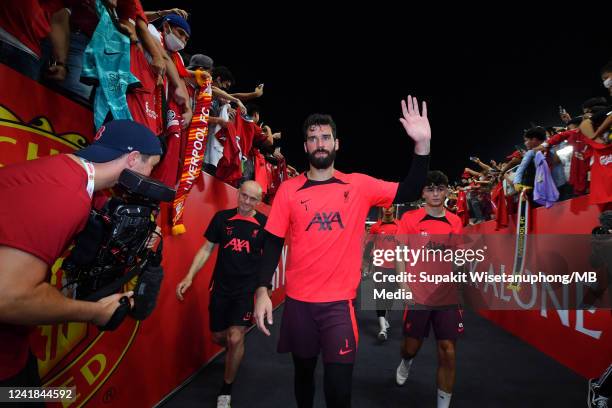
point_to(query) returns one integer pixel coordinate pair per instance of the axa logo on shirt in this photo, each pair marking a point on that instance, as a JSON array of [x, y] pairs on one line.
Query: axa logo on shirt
[[605, 160], [326, 220], [238, 245]]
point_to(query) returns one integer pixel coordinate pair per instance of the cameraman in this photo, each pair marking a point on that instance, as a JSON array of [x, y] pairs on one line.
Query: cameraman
[[45, 203]]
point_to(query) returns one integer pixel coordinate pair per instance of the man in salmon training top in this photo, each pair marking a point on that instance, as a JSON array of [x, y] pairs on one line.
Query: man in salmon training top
[[322, 213]]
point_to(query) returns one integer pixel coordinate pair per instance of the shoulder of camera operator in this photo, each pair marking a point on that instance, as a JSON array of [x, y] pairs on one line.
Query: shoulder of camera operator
[[38, 231]]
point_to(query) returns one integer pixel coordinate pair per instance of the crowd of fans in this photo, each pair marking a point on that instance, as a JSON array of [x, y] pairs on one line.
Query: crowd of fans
[[553, 164], [127, 63]]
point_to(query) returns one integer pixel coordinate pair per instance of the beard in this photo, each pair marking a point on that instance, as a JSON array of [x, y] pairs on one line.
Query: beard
[[321, 162]]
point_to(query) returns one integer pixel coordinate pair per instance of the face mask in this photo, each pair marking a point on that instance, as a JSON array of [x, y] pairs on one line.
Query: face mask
[[173, 43], [608, 83]]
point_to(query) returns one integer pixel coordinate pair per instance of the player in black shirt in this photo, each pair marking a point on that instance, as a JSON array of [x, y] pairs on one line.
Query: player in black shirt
[[238, 232]]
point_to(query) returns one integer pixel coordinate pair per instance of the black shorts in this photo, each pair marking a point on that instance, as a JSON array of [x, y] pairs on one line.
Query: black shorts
[[329, 328], [447, 324], [225, 311]]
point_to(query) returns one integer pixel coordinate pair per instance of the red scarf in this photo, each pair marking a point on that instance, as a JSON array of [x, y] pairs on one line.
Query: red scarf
[[197, 136]]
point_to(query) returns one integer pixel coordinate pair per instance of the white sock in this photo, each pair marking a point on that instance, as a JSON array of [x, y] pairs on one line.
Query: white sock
[[444, 399], [381, 323]]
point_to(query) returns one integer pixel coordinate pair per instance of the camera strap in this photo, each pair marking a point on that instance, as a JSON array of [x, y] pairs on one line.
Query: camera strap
[[91, 174]]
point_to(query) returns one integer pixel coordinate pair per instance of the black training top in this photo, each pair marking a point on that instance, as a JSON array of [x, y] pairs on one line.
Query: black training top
[[240, 242]]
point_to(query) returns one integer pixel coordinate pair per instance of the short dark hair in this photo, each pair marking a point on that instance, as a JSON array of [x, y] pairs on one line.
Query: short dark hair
[[537, 132], [252, 109], [224, 73], [319, 119], [436, 178], [606, 68], [593, 102]]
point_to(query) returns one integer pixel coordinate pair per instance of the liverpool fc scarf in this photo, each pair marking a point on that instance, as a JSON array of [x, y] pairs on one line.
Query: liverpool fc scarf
[[195, 147]]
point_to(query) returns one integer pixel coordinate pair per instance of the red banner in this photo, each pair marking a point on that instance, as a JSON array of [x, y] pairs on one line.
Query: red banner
[[140, 363], [578, 339]]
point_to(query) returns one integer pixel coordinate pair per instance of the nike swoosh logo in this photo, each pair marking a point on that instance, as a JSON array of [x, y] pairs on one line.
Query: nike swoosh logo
[[343, 352], [304, 201]]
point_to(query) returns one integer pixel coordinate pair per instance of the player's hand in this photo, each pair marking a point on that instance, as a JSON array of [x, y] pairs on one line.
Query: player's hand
[[406, 287], [108, 306], [182, 287], [263, 310], [259, 90], [415, 123]]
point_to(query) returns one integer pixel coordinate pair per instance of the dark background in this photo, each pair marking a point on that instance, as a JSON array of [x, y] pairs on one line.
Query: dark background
[[484, 79]]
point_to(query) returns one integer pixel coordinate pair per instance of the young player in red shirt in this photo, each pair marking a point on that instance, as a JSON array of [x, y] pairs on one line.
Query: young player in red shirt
[[321, 213], [447, 321], [383, 235]]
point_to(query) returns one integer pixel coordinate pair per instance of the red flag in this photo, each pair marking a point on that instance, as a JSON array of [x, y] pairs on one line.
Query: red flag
[[462, 208], [501, 213], [229, 168], [261, 175]]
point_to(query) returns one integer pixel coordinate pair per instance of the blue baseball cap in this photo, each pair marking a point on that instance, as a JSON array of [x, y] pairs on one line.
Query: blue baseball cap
[[176, 20], [119, 137]]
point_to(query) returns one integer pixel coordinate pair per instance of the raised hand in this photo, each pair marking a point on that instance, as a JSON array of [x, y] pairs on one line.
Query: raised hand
[[416, 124]]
